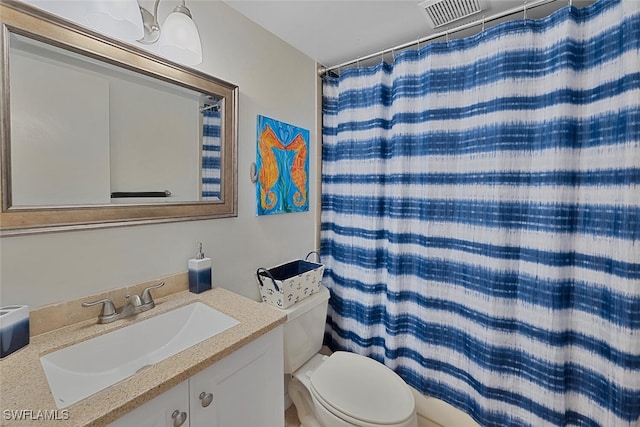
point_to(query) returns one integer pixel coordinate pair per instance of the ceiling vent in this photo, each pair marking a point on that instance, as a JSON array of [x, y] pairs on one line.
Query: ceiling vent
[[443, 12]]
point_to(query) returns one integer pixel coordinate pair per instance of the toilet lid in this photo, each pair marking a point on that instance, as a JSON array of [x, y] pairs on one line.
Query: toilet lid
[[362, 389]]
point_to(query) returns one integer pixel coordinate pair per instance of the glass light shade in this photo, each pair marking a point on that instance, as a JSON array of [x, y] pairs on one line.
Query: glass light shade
[[179, 39], [117, 18]]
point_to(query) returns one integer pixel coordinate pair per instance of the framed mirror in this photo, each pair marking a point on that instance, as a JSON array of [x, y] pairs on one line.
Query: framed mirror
[[98, 133]]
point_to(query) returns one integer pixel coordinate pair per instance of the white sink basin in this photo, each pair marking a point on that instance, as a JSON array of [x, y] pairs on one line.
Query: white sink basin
[[80, 370]]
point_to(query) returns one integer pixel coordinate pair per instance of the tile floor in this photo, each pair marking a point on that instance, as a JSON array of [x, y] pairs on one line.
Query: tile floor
[[291, 417]]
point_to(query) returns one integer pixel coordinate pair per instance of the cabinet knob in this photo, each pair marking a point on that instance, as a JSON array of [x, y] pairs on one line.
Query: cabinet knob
[[205, 399], [178, 418]]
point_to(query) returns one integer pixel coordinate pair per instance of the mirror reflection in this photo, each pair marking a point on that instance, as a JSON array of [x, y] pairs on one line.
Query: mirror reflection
[[86, 132], [98, 133]]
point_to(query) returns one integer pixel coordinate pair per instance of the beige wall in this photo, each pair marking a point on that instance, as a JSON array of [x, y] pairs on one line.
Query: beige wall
[[275, 80]]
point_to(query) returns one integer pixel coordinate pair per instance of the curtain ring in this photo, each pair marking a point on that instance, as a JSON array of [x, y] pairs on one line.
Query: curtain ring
[[483, 25], [525, 10], [446, 33]]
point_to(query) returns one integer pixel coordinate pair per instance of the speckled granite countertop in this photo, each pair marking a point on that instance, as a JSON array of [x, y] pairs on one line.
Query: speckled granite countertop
[[24, 387]]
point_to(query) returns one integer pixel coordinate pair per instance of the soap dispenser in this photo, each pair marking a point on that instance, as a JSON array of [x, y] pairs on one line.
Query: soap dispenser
[[199, 272]]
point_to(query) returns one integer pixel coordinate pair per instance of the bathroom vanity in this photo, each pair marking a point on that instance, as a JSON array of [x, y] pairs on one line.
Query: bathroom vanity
[[233, 378], [236, 391]]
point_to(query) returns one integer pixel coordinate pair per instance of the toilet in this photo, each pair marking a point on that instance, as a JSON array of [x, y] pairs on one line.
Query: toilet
[[343, 389]]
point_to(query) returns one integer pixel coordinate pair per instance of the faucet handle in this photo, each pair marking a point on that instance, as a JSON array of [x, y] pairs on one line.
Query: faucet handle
[[108, 309], [146, 294]]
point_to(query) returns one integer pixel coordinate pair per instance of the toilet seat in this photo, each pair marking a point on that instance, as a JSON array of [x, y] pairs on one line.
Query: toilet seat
[[361, 391]]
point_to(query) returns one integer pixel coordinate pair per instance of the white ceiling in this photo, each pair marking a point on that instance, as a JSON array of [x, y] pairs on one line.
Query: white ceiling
[[334, 31]]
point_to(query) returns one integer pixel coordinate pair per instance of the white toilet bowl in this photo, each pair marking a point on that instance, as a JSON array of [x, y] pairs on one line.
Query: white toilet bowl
[[349, 390], [344, 389]]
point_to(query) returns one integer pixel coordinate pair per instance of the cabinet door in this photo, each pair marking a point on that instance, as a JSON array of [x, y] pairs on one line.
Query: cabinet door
[[170, 409], [244, 389]]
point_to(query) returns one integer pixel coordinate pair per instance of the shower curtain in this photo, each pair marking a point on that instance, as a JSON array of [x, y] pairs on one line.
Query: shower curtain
[[211, 144], [481, 218]]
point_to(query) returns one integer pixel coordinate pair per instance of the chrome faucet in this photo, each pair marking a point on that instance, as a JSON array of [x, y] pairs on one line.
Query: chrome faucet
[[134, 304]]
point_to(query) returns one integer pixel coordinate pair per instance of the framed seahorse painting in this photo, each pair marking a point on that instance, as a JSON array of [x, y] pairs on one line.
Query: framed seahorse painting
[[282, 166]]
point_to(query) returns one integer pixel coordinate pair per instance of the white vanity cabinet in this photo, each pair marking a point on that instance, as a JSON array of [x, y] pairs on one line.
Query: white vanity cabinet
[[243, 389], [167, 410]]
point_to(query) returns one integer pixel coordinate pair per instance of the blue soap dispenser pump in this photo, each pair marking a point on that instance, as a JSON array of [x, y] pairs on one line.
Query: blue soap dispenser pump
[[199, 272]]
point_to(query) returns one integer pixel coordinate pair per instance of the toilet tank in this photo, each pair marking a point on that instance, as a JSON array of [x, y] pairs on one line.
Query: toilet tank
[[304, 329]]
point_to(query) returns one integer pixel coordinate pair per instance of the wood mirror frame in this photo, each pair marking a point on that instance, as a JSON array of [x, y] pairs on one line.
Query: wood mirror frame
[[33, 23]]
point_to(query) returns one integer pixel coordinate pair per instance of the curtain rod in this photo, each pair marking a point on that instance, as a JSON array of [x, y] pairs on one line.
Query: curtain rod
[[525, 6]]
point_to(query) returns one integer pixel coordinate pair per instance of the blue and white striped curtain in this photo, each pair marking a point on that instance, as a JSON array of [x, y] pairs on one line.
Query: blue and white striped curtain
[[481, 218], [211, 146]]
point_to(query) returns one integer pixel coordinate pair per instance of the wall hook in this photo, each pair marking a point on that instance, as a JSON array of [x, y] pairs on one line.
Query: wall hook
[[253, 172]]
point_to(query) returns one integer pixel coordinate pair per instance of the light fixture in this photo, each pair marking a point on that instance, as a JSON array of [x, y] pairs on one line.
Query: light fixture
[[117, 18], [178, 39]]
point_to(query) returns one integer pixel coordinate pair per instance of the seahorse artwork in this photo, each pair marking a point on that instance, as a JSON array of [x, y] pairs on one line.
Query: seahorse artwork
[[282, 166], [269, 172], [299, 169]]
